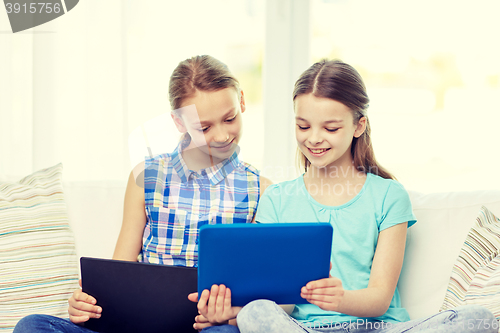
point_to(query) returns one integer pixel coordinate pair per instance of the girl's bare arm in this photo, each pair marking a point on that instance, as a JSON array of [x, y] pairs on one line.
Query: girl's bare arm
[[374, 300], [129, 243]]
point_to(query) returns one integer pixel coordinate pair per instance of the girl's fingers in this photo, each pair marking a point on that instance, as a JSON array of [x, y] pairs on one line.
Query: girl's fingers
[[200, 326], [227, 303], [79, 316], [80, 308], [320, 291], [212, 301], [215, 305], [322, 298], [83, 302], [201, 319], [201, 322], [219, 306], [80, 296], [193, 297], [202, 303], [323, 283], [78, 319]]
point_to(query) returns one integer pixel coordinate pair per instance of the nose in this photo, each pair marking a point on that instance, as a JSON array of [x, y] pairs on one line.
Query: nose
[[315, 138], [220, 135]]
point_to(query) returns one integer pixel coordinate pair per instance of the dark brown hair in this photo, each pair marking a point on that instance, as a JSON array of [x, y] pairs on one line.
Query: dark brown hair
[[339, 81], [203, 73]]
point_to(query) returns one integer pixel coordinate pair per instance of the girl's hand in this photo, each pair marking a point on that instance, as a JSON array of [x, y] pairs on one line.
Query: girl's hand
[[200, 322], [82, 307], [215, 305], [325, 293]]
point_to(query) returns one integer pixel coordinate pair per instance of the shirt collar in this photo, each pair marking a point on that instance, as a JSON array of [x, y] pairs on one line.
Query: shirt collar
[[215, 174], [219, 172]]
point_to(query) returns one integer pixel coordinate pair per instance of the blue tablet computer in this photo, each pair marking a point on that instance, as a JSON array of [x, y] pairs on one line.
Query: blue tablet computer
[[264, 261]]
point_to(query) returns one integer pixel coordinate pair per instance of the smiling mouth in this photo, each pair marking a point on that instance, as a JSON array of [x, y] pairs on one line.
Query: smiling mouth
[[318, 151], [222, 147]]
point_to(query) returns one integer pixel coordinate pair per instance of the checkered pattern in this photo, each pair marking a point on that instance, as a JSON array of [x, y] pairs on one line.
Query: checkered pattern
[[179, 201]]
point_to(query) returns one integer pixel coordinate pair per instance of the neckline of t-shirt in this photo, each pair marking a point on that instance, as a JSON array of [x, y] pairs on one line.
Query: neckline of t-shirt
[[348, 203]]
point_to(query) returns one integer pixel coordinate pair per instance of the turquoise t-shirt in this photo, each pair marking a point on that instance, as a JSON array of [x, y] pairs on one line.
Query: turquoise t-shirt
[[380, 204]]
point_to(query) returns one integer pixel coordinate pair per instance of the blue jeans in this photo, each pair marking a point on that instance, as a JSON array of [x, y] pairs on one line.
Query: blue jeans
[[46, 324], [43, 323], [221, 329], [264, 316]]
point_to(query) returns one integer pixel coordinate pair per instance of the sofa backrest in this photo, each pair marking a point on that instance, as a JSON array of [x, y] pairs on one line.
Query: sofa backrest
[[95, 211]]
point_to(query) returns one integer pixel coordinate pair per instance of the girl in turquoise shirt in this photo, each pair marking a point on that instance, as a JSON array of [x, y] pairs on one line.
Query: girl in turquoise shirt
[[370, 212]]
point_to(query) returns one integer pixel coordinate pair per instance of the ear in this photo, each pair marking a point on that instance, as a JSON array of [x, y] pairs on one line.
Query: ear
[[360, 129], [179, 123], [242, 101]]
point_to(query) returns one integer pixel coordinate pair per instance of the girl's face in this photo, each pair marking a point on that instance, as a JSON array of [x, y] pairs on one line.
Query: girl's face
[[324, 130], [214, 124]]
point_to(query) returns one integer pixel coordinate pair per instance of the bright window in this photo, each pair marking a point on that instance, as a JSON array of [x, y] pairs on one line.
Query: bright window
[[432, 70]]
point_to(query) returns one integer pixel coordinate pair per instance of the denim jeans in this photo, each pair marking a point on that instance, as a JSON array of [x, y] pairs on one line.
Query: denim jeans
[[44, 323], [221, 329], [264, 316]]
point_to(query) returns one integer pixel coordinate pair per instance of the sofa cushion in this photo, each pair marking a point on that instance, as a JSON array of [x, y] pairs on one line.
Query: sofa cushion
[[434, 243], [476, 275], [38, 262]]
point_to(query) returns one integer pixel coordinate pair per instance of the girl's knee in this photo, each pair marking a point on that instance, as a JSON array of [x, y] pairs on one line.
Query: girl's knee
[[257, 309], [30, 323], [265, 316]]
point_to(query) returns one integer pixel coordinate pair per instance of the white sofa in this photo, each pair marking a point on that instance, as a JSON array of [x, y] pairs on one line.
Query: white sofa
[[444, 219], [95, 209]]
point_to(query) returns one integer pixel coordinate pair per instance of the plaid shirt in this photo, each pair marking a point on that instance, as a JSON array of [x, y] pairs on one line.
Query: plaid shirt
[[179, 201]]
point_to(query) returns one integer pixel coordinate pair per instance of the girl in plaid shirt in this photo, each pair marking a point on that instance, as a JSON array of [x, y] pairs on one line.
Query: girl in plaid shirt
[[201, 182]]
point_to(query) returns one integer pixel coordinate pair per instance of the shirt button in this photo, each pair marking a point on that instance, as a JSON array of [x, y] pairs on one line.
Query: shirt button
[[197, 241]]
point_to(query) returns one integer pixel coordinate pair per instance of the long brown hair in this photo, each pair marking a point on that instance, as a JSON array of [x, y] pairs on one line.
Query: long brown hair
[[339, 81]]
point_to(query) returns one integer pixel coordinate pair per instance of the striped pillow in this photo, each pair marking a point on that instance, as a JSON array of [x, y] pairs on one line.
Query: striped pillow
[[475, 278], [38, 264]]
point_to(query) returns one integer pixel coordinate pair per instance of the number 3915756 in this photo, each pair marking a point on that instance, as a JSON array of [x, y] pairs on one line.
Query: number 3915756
[[33, 8]]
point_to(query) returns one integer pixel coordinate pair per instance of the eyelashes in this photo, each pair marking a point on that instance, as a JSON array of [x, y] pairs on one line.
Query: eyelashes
[[205, 129], [331, 130]]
